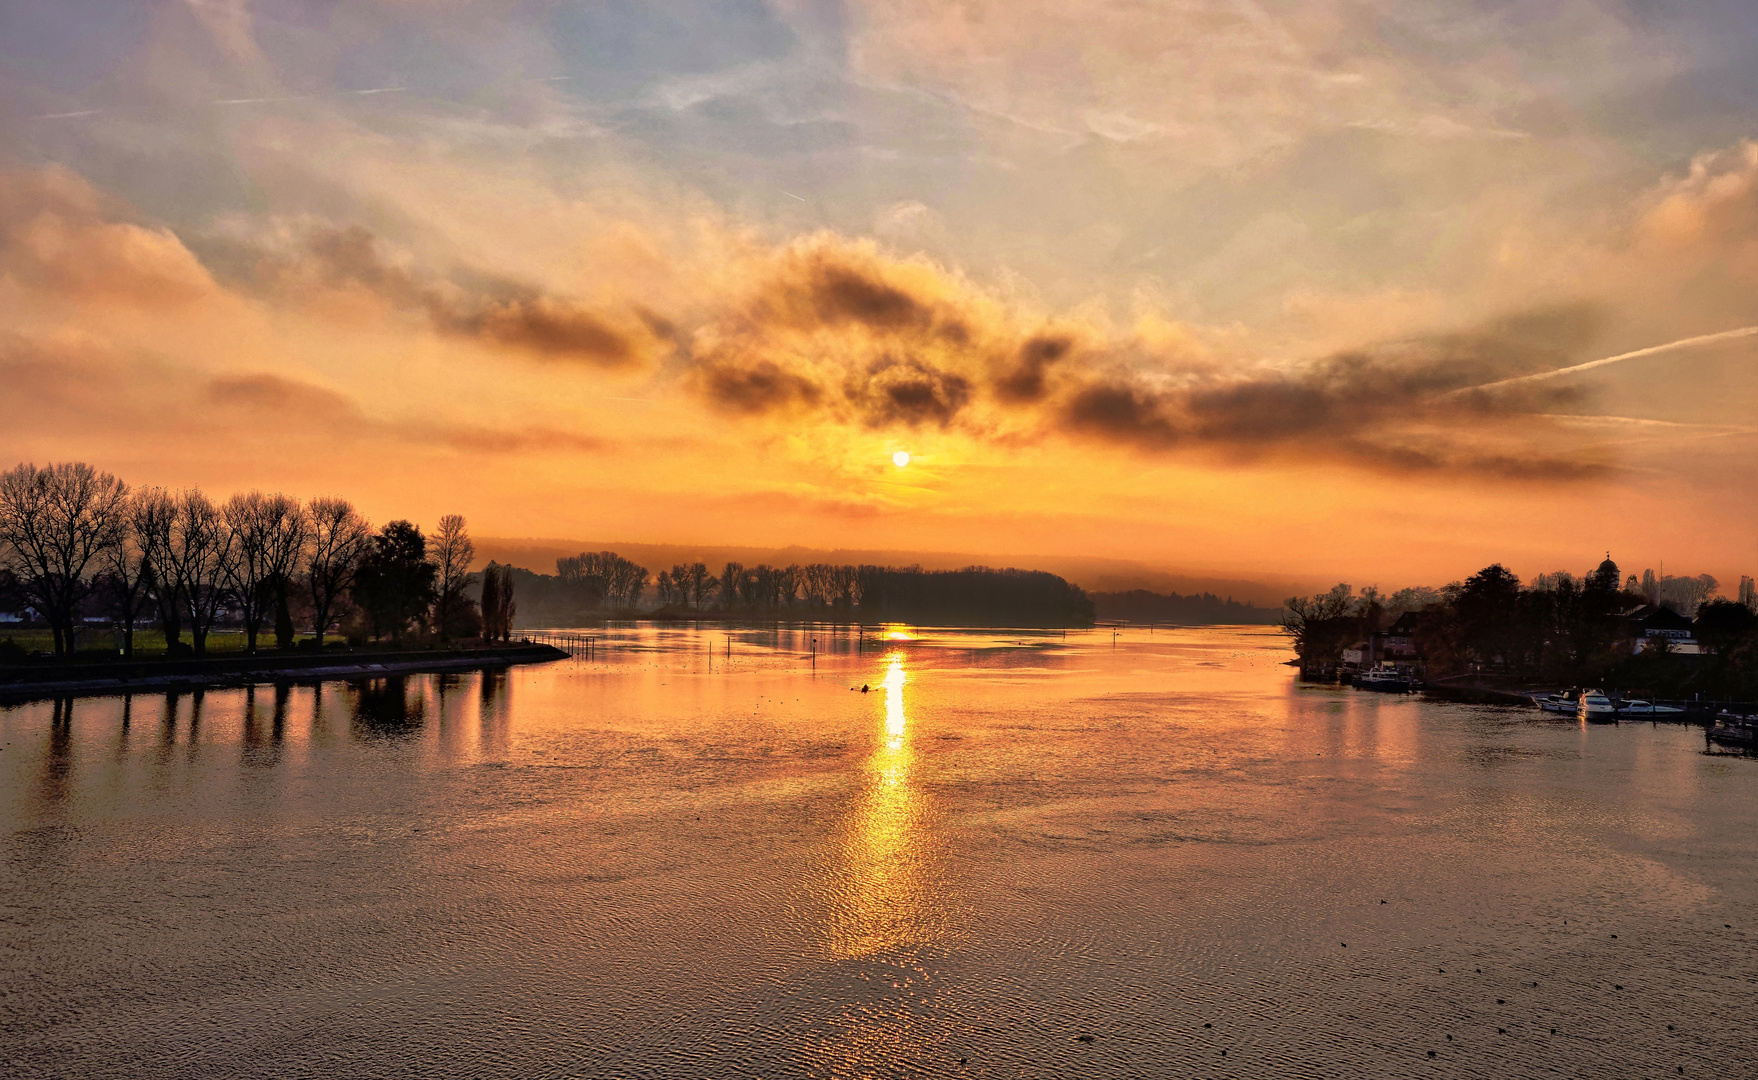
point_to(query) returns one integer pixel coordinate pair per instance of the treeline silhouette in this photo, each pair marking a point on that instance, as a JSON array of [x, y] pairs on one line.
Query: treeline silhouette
[[1141, 605], [1560, 630], [78, 545], [594, 585]]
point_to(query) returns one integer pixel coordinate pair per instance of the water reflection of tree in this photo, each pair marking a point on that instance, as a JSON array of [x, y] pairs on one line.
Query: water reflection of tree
[[495, 707], [54, 780], [381, 707]]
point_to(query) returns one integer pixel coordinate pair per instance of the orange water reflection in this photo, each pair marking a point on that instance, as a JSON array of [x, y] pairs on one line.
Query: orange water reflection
[[879, 906], [885, 913]]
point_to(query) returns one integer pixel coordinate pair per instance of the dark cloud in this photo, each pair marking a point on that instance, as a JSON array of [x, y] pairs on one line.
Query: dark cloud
[[1339, 397], [908, 392], [297, 401], [494, 311], [258, 397], [756, 387], [841, 293], [837, 330], [826, 286], [548, 327], [350, 257], [847, 335], [1025, 382]]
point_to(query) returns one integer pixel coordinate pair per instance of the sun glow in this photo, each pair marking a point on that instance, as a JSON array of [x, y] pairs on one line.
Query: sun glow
[[901, 458]]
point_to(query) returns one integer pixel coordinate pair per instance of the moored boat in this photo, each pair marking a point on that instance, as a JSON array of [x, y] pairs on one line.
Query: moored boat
[[1597, 708], [1735, 731], [1636, 707], [1559, 703], [1385, 680]]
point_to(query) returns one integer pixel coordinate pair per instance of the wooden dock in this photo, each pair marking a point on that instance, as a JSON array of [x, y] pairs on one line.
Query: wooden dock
[[569, 641]]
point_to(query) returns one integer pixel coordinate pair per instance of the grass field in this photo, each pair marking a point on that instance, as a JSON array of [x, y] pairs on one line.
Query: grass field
[[146, 642]]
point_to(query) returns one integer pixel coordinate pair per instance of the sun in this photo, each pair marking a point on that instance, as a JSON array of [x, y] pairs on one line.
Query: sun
[[901, 458]]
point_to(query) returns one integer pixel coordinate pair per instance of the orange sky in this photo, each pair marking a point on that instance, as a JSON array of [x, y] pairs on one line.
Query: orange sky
[[1203, 289]]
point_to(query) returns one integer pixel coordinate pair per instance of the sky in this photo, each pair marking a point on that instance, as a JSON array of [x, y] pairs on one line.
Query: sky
[[1227, 287]]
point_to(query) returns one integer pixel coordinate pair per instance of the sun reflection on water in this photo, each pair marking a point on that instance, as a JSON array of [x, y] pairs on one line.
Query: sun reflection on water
[[880, 904], [886, 913]]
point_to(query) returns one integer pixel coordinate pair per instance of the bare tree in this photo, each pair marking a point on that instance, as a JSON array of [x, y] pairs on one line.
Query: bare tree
[[201, 558], [129, 563], [152, 516], [732, 582], [701, 583], [267, 531], [451, 552], [788, 580], [818, 582], [285, 545], [618, 581], [339, 538], [55, 524]]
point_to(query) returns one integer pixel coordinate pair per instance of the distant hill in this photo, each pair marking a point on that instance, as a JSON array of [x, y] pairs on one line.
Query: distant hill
[[1140, 605]]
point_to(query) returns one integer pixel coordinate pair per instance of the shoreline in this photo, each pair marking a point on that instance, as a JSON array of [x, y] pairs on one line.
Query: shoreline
[[21, 684]]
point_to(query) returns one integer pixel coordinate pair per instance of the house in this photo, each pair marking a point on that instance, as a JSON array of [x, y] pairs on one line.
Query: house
[[1392, 647], [1400, 638], [1654, 621]]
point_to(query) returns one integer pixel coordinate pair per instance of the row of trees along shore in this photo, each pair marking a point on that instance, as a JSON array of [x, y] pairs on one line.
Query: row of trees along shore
[[72, 537], [1558, 629], [592, 584]]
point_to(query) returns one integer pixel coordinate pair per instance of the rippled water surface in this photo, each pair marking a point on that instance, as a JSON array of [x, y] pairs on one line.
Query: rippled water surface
[[1017, 855]]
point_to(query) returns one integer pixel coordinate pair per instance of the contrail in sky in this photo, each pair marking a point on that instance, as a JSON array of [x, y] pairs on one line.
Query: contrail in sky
[[67, 115], [1682, 343], [308, 97], [789, 194]]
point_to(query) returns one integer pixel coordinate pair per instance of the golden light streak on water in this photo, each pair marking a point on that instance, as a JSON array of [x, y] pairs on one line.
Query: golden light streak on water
[[885, 916], [880, 906]]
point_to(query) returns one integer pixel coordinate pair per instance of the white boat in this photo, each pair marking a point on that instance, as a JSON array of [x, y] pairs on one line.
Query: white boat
[[1597, 707], [1645, 708], [1559, 703]]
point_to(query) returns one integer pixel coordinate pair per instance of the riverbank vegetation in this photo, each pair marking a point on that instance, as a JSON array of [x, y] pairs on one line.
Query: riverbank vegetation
[[95, 561], [592, 586], [88, 556], [1558, 630]]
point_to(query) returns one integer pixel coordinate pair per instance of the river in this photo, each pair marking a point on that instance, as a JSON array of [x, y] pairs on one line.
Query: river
[[709, 853]]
